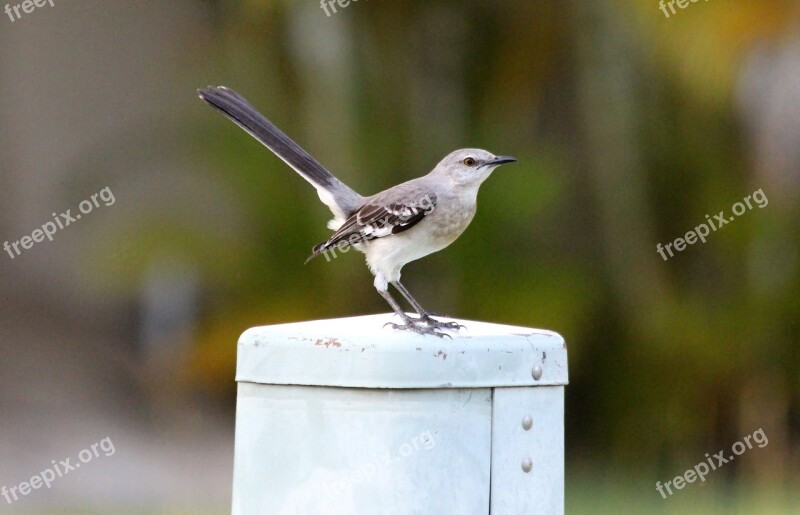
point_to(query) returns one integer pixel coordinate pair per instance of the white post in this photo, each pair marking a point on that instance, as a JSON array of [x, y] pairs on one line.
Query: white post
[[345, 416]]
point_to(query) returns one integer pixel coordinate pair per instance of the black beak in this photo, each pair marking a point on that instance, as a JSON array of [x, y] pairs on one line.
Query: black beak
[[501, 160]]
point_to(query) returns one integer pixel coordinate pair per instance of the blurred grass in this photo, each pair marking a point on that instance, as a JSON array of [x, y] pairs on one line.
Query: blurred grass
[[597, 494]]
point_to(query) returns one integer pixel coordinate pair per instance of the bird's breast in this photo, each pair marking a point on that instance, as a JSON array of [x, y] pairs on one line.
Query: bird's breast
[[447, 222]]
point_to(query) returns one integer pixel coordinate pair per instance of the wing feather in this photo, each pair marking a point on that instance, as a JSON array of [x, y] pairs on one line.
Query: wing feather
[[377, 219]]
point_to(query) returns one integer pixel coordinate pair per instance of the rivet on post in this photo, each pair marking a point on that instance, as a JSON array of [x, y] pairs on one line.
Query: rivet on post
[[537, 372], [527, 423], [527, 464]]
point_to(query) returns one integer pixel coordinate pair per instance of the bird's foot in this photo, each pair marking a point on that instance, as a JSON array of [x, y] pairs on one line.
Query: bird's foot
[[438, 324], [414, 326]]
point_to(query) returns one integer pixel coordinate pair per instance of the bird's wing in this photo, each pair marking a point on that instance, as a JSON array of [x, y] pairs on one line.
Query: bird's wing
[[378, 218]]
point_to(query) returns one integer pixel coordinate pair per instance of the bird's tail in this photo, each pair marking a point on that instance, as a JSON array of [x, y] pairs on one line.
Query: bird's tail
[[334, 193]]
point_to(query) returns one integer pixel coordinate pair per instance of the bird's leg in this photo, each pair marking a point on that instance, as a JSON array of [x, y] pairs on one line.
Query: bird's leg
[[410, 323], [424, 316]]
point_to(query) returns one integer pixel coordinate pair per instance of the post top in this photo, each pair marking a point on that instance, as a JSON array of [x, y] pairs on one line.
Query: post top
[[359, 352]]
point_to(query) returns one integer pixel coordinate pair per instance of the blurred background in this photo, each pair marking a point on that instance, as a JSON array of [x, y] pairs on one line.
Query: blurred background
[[630, 127]]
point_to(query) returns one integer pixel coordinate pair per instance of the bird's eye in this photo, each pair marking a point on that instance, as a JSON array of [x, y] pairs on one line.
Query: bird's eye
[[470, 161]]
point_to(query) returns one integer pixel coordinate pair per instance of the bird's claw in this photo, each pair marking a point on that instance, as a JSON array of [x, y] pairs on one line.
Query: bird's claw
[[438, 324], [411, 325]]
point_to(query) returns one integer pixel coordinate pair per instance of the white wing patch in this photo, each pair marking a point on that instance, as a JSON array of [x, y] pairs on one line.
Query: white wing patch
[[376, 231]]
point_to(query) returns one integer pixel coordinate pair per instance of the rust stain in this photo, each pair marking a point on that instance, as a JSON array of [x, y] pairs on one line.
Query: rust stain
[[330, 342]]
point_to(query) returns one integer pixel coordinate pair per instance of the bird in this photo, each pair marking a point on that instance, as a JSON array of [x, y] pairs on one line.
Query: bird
[[392, 228]]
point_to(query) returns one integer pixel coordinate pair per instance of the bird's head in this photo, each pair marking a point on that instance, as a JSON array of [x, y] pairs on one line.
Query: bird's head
[[470, 166]]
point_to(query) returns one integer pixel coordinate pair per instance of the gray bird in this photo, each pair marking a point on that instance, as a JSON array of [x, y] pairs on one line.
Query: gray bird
[[392, 228]]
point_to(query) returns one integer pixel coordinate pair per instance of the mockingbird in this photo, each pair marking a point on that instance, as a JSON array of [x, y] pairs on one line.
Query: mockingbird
[[393, 227]]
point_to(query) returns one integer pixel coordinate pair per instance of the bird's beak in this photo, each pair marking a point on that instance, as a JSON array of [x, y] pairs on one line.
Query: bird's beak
[[501, 160]]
